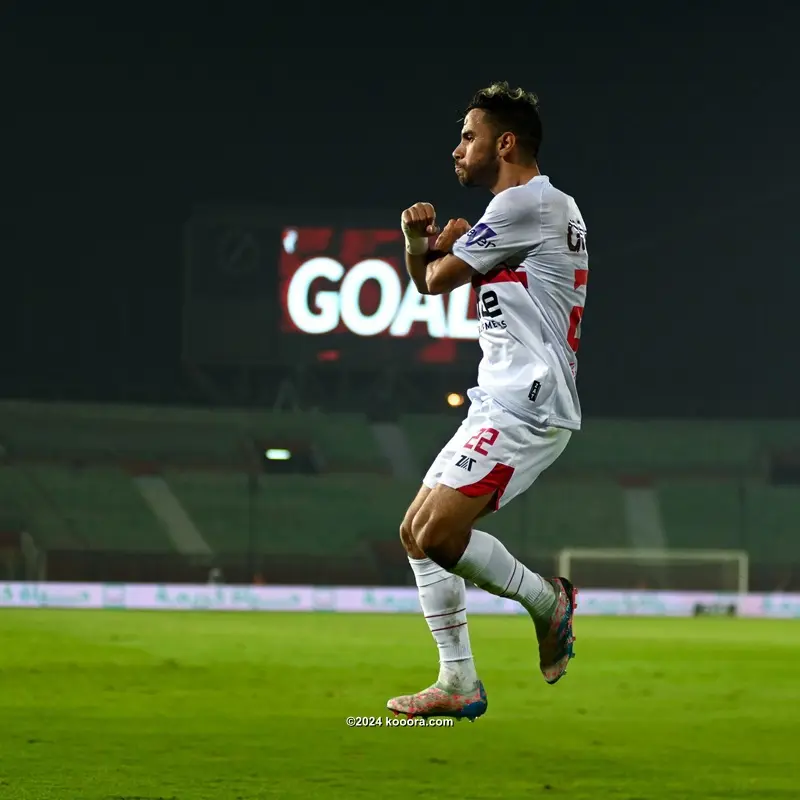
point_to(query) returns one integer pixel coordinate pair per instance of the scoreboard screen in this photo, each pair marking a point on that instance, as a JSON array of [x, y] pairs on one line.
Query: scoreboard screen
[[277, 294]]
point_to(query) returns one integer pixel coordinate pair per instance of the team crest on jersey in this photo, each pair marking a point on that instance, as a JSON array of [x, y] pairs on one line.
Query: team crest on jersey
[[481, 236]]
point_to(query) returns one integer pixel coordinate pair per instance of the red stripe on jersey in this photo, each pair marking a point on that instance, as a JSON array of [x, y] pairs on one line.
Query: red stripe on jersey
[[495, 482], [581, 278], [502, 275]]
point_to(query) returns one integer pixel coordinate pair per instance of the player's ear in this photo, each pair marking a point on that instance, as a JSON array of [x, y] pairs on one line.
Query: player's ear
[[505, 143]]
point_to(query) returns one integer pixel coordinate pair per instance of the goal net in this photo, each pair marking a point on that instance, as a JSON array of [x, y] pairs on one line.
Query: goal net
[[661, 570]]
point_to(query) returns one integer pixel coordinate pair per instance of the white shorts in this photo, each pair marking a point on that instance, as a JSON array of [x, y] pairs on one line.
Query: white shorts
[[494, 452]]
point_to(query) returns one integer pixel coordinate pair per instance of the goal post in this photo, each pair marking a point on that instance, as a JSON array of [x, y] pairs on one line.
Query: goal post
[[698, 570]]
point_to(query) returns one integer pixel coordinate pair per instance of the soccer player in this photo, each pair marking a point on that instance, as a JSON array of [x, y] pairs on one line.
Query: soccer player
[[526, 259]]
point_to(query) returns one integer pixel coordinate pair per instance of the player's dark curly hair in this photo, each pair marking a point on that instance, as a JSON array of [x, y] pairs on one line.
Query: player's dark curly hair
[[513, 110]]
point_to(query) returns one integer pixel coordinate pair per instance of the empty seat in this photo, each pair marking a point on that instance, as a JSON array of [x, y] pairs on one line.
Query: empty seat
[[773, 523], [101, 508], [702, 514]]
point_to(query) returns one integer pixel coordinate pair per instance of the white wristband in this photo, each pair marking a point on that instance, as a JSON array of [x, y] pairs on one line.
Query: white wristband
[[417, 245]]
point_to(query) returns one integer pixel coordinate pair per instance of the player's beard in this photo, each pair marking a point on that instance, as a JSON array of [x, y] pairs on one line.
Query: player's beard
[[482, 174]]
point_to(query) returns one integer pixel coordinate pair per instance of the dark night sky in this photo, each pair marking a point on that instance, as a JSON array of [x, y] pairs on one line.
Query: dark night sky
[[675, 128]]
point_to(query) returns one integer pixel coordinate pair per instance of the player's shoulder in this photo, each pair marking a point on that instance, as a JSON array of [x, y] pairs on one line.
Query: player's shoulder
[[516, 203], [553, 197], [518, 195], [557, 206], [533, 199]]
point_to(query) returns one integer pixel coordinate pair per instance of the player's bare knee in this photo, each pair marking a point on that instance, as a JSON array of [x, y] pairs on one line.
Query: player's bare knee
[[406, 537], [432, 532], [408, 540]]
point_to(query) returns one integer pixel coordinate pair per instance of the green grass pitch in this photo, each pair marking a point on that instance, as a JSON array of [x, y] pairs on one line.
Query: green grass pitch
[[214, 706]]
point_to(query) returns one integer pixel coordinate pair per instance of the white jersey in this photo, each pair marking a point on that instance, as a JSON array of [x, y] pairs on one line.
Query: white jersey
[[529, 249]]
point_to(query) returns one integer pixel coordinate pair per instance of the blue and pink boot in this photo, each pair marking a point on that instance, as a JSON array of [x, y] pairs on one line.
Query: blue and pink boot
[[437, 702], [555, 648]]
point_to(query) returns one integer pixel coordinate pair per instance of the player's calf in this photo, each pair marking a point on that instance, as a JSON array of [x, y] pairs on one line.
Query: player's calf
[[482, 559], [442, 596], [550, 603]]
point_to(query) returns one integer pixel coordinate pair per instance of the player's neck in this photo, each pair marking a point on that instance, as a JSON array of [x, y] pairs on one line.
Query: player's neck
[[514, 175]]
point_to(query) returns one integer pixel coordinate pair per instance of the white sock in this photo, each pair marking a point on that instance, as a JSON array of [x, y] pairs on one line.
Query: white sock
[[488, 564], [443, 598]]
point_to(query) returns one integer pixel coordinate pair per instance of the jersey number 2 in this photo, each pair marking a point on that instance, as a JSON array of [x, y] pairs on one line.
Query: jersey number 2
[[576, 315], [487, 436]]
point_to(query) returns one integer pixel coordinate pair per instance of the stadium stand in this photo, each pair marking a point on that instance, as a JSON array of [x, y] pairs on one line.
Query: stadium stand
[[329, 515], [69, 478], [97, 507], [558, 515], [772, 523], [25, 506], [710, 512], [181, 436]]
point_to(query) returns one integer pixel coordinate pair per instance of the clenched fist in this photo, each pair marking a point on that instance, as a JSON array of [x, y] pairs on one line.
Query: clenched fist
[[419, 221], [452, 232]]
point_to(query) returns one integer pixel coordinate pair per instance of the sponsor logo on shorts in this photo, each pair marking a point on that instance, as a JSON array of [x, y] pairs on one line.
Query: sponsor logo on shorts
[[465, 462]]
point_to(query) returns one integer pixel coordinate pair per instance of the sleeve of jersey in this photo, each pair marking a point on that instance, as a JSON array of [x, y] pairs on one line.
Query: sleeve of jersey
[[510, 225]]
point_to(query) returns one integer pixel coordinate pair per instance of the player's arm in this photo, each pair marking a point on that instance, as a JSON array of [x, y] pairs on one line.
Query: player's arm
[[447, 273], [437, 272], [510, 226], [417, 267], [433, 271]]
